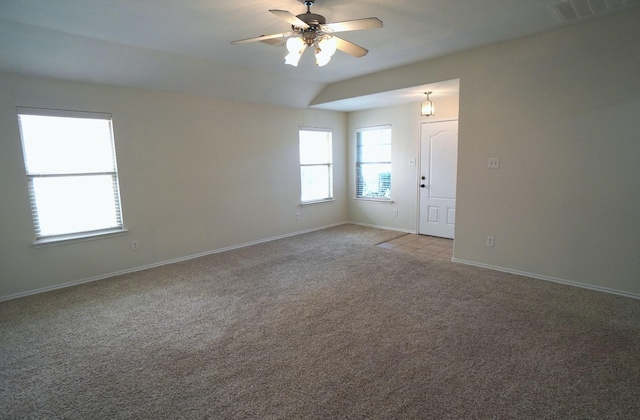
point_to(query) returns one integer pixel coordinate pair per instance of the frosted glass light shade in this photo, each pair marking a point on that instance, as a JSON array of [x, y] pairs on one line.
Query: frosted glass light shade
[[325, 50], [296, 47]]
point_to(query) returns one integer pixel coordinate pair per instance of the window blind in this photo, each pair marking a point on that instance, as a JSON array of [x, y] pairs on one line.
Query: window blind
[[373, 162]]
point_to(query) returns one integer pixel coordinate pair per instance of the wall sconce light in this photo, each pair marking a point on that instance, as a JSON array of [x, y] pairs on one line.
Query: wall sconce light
[[426, 109]]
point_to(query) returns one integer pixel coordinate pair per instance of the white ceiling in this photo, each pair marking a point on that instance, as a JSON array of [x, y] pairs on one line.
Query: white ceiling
[[184, 45]]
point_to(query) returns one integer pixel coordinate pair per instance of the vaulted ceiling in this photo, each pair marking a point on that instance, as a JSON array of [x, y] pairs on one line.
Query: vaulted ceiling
[[184, 46]]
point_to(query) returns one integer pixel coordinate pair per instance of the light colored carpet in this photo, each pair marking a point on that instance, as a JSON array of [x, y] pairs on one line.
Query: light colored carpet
[[321, 325]]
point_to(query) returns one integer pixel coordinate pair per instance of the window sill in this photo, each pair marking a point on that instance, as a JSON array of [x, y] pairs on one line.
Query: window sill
[[375, 200], [78, 237], [308, 203]]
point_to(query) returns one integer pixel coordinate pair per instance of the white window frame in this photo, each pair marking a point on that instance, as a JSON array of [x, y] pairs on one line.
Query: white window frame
[[360, 164], [115, 225], [319, 162]]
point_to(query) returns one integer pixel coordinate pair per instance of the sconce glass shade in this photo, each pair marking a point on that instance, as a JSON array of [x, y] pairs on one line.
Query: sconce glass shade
[[426, 108], [325, 50], [296, 47]]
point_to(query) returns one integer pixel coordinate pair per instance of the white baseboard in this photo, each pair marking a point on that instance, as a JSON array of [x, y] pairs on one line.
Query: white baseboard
[[552, 279], [274, 238], [161, 263]]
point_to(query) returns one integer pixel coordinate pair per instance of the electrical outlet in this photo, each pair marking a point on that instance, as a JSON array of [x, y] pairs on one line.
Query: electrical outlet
[[493, 163], [134, 245], [395, 212], [297, 215], [490, 240]]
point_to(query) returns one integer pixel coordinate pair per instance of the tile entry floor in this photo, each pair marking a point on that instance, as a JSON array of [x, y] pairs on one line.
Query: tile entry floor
[[422, 245]]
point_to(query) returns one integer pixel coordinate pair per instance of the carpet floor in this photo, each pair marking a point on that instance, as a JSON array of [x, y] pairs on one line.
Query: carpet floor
[[320, 325]]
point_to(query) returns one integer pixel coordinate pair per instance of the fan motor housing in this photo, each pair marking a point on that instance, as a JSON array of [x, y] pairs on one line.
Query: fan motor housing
[[312, 19]]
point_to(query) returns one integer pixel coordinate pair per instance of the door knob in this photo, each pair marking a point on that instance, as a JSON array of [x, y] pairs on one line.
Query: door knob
[[423, 177], [422, 185]]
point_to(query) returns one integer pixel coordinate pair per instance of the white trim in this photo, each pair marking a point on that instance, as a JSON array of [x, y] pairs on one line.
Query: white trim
[[288, 235], [320, 129], [77, 237], [375, 200], [322, 201], [373, 127], [551, 279], [49, 112], [437, 120], [161, 263]]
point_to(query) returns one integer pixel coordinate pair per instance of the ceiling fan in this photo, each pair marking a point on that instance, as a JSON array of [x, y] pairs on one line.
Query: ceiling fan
[[310, 29]]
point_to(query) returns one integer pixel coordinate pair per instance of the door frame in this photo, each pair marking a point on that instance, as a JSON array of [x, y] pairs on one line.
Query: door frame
[[419, 165]]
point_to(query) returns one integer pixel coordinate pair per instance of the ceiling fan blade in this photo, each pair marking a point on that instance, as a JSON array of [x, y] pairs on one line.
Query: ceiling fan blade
[[353, 25], [350, 48], [291, 18], [263, 38], [276, 42]]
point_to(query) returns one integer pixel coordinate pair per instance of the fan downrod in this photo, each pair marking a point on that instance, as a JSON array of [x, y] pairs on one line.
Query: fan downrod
[[312, 19]]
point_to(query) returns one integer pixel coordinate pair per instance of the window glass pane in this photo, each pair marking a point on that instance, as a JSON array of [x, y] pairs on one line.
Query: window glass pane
[[374, 180], [71, 169], [315, 147], [61, 145], [315, 165], [376, 153], [316, 182], [75, 204]]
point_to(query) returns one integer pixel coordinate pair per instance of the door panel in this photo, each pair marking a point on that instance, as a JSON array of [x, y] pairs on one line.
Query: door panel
[[438, 171], [433, 214]]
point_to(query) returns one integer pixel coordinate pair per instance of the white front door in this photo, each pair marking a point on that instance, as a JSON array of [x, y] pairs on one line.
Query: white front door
[[438, 170]]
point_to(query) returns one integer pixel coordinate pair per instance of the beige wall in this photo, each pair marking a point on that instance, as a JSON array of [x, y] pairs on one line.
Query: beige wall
[[405, 131], [561, 111], [196, 175]]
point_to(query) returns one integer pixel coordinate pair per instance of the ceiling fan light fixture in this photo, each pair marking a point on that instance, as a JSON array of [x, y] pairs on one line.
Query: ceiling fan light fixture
[[325, 50], [426, 108], [296, 47], [328, 45], [312, 30], [292, 59], [322, 60]]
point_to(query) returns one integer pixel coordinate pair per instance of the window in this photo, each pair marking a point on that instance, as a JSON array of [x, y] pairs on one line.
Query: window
[[316, 172], [70, 162], [373, 163]]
